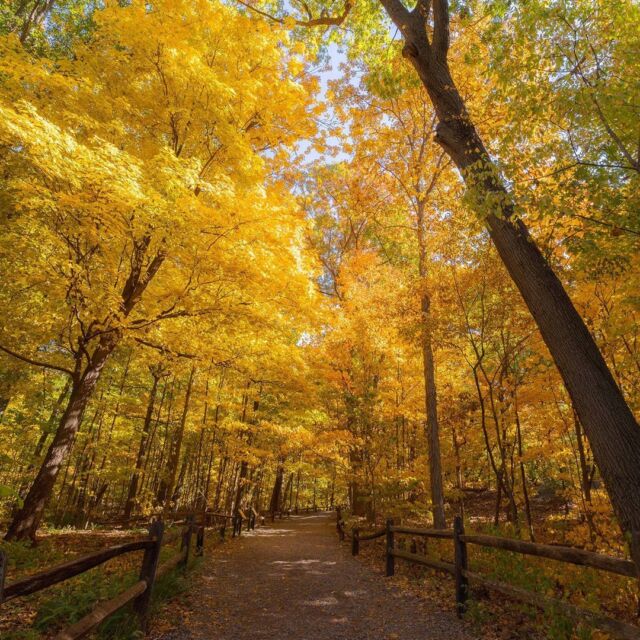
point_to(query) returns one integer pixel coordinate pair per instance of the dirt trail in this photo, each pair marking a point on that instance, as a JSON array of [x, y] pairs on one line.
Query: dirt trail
[[292, 580]]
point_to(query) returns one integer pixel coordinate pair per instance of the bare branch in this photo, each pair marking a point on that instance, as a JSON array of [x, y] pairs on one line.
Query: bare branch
[[165, 350], [37, 363], [323, 21]]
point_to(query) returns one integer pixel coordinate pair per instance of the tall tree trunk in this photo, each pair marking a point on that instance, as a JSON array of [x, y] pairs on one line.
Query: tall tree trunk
[[222, 467], [142, 447], [274, 505], [586, 470], [608, 422], [43, 436], [523, 475], [27, 520], [240, 486], [176, 446], [430, 393], [433, 428]]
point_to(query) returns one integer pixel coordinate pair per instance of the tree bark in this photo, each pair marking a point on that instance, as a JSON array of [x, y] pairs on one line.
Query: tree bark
[[608, 422], [142, 448], [274, 505], [27, 520], [430, 393], [176, 446]]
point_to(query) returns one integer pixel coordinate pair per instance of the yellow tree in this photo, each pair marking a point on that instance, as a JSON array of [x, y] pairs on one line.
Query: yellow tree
[[427, 33], [137, 193]]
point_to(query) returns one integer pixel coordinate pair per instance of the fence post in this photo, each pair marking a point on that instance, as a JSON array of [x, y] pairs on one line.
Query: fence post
[[461, 563], [391, 561], [339, 524], [148, 572], [355, 541], [186, 541], [237, 525], [200, 541], [3, 573]]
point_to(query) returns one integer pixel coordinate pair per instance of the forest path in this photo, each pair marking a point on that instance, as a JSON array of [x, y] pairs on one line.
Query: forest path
[[293, 580]]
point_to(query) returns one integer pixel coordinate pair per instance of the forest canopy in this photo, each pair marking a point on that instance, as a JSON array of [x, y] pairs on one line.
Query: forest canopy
[[277, 255]]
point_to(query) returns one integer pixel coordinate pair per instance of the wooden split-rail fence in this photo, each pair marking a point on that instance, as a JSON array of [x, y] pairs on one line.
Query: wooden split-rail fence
[[463, 576], [160, 536]]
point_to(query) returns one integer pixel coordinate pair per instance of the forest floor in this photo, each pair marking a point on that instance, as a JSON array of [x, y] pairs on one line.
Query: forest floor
[[294, 580], [41, 615]]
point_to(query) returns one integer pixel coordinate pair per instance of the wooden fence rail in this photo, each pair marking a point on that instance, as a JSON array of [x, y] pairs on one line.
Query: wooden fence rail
[[459, 568], [140, 592]]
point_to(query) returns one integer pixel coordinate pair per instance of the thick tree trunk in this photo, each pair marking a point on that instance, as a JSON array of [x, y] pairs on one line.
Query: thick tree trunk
[[43, 436], [608, 422], [27, 520]]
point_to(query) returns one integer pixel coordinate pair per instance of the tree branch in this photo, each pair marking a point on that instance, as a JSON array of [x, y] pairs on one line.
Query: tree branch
[[398, 13], [37, 363], [323, 21], [440, 41], [165, 350]]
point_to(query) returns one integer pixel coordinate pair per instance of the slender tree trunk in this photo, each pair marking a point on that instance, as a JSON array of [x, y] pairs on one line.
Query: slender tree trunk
[[433, 428], [176, 446], [459, 481], [608, 422], [204, 497], [142, 447], [222, 467], [586, 470], [430, 393], [274, 505], [523, 475], [286, 494]]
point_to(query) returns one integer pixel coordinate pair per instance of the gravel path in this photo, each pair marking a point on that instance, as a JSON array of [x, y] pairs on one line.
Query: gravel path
[[292, 580]]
